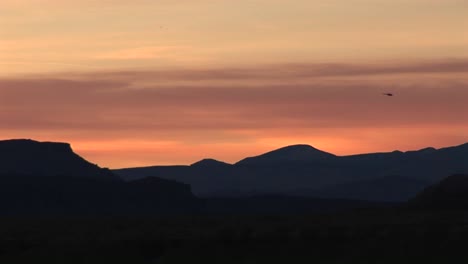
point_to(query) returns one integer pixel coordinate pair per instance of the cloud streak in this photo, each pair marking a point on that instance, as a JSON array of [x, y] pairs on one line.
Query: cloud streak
[[288, 71], [141, 53]]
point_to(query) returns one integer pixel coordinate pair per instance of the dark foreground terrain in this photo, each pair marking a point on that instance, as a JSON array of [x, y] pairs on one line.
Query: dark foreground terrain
[[366, 236], [56, 207]]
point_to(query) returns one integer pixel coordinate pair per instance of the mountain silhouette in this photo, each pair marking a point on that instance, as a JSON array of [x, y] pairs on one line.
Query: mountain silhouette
[[294, 153], [449, 194], [303, 170], [210, 163], [48, 178], [29, 157]]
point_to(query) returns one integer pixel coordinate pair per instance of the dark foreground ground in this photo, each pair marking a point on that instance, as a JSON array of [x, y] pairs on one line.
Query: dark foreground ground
[[369, 236]]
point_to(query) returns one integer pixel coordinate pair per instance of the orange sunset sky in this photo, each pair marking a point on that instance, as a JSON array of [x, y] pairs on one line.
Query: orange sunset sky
[[151, 82]]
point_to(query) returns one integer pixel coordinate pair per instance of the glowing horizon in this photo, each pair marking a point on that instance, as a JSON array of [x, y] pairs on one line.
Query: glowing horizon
[[173, 82]]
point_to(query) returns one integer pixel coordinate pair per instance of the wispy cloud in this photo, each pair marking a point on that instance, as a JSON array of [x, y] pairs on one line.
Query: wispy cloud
[[295, 71], [142, 53]]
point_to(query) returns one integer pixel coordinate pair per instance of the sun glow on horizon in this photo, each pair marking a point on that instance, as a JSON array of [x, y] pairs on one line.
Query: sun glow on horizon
[[189, 80]]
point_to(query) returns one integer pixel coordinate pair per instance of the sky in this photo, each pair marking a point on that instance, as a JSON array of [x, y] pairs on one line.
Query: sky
[[157, 82]]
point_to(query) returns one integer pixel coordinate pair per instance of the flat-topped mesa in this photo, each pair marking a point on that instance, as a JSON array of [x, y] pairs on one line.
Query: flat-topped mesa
[[19, 144], [34, 158], [293, 153]]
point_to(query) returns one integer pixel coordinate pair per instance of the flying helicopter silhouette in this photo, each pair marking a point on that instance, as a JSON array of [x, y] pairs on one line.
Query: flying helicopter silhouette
[[388, 94]]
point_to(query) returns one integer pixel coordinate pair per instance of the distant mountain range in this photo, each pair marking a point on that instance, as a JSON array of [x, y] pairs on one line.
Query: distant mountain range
[[302, 170], [49, 179]]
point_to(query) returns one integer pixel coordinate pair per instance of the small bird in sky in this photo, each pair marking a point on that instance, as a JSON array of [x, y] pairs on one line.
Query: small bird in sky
[[388, 94]]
